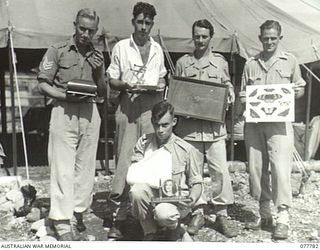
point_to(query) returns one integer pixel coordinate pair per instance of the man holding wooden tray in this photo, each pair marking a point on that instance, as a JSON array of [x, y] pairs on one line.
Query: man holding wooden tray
[[137, 70]]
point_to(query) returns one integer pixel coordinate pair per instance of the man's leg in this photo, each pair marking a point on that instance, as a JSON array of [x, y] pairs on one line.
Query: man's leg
[[222, 195], [133, 120], [61, 156], [142, 209], [218, 169], [198, 220], [280, 149], [167, 216], [85, 166], [259, 177], [126, 138]]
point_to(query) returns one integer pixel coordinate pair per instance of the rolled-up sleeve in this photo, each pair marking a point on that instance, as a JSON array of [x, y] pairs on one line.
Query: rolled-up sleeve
[[179, 68], [244, 81], [194, 168], [48, 66], [225, 73], [114, 69], [138, 150]]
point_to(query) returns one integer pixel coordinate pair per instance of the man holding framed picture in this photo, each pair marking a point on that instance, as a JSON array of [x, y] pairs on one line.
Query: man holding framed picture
[[207, 136]]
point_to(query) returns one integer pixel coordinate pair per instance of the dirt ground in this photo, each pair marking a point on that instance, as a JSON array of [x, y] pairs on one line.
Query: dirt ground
[[305, 223]]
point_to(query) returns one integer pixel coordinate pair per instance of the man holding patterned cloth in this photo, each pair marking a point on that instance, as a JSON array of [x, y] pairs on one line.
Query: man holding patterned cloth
[[271, 144]]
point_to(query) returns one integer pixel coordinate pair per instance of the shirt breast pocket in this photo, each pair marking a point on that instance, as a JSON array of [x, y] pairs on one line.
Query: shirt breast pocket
[[178, 172], [214, 77], [68, 70], [191, 73], [213, 73], [255, 80], [284, 76]]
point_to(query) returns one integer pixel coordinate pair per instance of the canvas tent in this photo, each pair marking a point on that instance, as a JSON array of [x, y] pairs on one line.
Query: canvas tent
[[307, 11], [39, 23], [36, 24]]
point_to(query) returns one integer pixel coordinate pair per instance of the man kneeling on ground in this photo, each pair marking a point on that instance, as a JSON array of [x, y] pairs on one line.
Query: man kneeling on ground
[[185, 171]]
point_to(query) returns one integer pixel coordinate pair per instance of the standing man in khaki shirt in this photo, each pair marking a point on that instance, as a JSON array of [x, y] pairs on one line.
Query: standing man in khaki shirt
[[271, 144], [74, 123], [208, 137]]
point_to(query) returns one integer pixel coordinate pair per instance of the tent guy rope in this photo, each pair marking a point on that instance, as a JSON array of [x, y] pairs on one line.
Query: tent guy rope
[[13, 62]]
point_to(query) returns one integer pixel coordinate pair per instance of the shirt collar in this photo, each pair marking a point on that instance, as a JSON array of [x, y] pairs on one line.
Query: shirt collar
[[278, 54], [133, 44], [205, 60], [73, 46], [170, 142]]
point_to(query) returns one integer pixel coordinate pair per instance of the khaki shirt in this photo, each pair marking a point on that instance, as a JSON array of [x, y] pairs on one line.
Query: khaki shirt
[[211, 67], [62, 63], [185, 169], [284, 69]]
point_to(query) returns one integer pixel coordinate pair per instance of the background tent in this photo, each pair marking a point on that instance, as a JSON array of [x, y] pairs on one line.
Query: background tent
[[39, 23], [36, 24], [306, 11]]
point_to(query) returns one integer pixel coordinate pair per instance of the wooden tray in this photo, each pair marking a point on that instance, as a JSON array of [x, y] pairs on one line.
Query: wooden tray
[[82, 87]]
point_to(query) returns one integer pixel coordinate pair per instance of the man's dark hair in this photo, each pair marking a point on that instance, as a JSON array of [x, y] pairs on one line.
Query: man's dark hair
[[203, 23], [160, 109], [147, 9], [88, 13], [269, 24]]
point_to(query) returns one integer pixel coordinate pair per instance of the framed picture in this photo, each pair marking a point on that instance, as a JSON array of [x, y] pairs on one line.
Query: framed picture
[[270, 103], [169, 188], [170, 192], [198, 99]]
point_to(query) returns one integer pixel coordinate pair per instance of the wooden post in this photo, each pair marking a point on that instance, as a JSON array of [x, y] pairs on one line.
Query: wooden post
[[309, 92], [233, 79], [3, 104], [13, 113], [105, 109], [234, 50], [106, 144]]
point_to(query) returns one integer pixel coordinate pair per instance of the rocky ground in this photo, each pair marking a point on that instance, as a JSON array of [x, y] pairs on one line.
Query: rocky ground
[[305, 223]]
